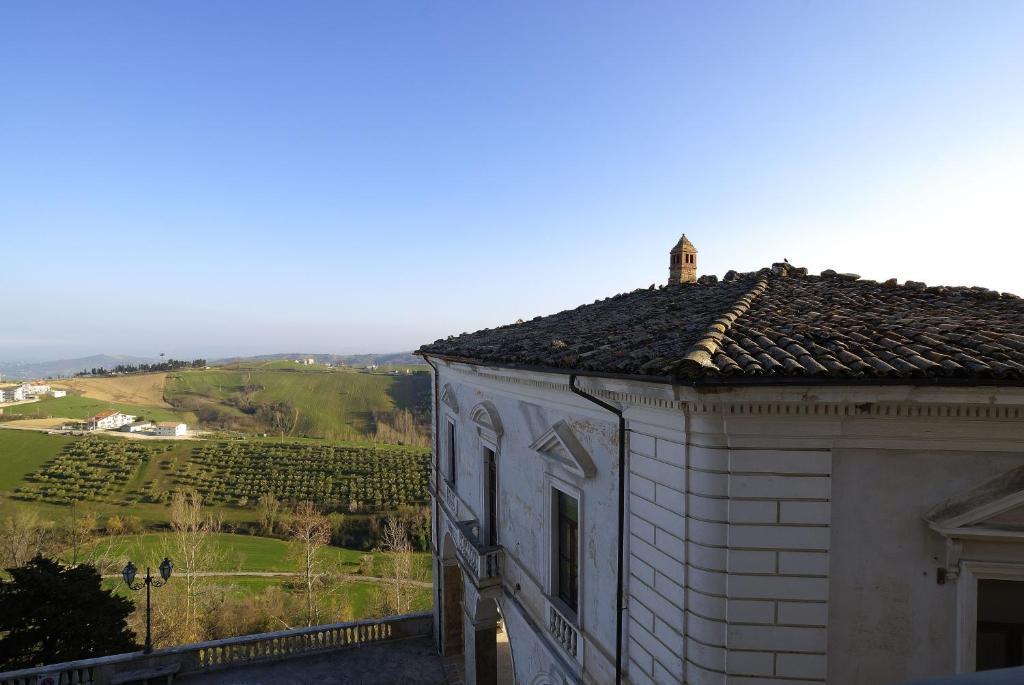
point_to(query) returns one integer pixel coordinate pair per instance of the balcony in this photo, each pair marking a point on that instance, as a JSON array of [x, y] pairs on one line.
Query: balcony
[[483, 563]]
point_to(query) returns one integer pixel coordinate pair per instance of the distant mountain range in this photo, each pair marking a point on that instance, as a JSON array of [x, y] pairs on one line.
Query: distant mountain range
[[18, 371], [349, 359]]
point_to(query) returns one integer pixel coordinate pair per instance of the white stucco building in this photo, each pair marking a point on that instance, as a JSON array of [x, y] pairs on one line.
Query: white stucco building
[[35, 389], [776, 478], [108, 419], [13, 394], [170, 429]]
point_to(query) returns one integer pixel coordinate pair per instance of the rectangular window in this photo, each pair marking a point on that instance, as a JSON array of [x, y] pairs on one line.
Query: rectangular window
[[452, 470], [492, 498], [567, 522], [1000, 641]]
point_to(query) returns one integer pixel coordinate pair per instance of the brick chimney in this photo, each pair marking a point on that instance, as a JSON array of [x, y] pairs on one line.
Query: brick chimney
[[682, 262]]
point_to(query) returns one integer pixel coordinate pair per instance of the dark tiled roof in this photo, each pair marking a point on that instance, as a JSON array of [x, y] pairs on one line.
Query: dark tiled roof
[[775, 325]]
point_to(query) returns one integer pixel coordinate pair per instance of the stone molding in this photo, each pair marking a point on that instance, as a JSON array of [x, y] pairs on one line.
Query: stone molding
[[559, 445], [448, 397], [805, 407], [488, 422]]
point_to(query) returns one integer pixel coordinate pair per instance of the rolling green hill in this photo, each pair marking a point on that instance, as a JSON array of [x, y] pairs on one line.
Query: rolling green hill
[[284, 398], [80, 407]]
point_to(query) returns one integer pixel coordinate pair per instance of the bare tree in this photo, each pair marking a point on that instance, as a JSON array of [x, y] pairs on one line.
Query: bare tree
[[395, 542], [268, 507], [77, 529], [191, 551], [309, 531], [22, 536]]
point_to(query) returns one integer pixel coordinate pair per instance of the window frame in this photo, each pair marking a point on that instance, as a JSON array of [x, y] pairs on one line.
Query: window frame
[[485, 519], [967, 605], [452, 448], [553, 486]]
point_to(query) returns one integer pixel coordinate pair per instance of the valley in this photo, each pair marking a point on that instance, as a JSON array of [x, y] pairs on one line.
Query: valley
[[265, 437]]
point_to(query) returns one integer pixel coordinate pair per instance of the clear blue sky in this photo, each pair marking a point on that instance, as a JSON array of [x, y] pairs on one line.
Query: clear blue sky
[[223, 178]]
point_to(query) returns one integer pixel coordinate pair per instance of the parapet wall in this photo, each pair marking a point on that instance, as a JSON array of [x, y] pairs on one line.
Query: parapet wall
[[202, 657]]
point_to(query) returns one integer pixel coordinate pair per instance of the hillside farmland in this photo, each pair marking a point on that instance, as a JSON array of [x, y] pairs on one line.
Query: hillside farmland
[[283, 398]]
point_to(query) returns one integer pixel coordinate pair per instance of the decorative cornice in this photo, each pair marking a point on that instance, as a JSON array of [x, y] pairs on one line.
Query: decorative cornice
[[869, 409], [738, 407]]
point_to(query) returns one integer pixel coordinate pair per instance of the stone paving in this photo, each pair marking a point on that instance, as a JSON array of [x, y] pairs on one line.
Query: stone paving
[[399, 662]]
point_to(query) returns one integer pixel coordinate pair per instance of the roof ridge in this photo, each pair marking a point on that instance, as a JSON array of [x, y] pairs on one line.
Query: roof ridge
[[698, 357]]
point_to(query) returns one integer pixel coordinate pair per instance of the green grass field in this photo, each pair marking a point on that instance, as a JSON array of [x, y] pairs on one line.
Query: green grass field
[[358, 595], [323, 402], [78, 407], [240, 553], [22, 452]]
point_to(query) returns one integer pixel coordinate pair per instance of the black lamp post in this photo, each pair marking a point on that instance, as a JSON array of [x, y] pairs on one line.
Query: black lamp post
[[149, 581]]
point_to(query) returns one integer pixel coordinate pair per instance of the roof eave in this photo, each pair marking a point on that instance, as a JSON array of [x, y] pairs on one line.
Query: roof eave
[[741, 381]]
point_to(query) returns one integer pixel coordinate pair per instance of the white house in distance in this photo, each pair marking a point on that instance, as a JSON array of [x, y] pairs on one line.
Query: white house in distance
[[13, 394], [775, 478], [109, 419], [58, 393], [137, 427], [35, 389], [170, 429], [25, 391]]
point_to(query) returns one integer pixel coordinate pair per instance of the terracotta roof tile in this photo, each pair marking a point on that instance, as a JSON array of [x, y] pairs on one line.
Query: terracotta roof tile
[[772, 325]]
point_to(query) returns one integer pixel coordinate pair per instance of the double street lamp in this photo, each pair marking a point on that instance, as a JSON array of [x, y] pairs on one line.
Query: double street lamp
[[149, 581]]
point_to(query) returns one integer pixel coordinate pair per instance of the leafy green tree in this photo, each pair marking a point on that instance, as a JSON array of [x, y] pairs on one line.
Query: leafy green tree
[[51, 613]]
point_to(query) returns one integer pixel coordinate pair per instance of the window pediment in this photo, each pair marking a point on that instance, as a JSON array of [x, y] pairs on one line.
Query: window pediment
[[448, 397], [560, 445], [993, 509], [488, 423]]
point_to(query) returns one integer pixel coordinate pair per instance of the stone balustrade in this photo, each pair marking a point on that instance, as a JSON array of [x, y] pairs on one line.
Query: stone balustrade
[[204, 656], [443, 491], [484, 563], [565, 633], [489, 564], [451, 500]]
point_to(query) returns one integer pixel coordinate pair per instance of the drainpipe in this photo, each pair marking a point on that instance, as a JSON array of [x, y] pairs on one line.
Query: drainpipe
[[438, 569], [622, 516]]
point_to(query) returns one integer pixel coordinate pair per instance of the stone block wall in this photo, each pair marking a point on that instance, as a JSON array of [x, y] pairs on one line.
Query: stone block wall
[[728, 563], [657, 558]]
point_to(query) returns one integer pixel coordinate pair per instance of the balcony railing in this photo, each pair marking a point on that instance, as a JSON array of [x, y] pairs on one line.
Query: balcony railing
[[445, 493], [216, 654], [483, 562], [452, 500], [564, 633]]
